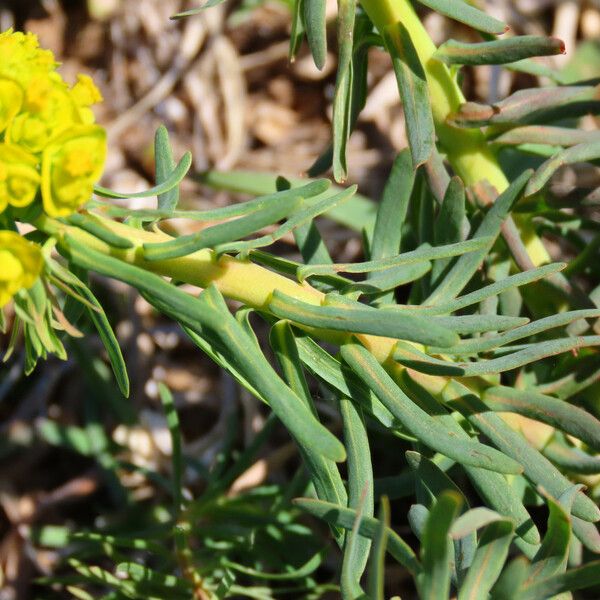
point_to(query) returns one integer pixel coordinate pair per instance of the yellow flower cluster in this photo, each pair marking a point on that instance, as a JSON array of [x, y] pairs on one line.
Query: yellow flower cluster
[[21, 263], [48, 140]]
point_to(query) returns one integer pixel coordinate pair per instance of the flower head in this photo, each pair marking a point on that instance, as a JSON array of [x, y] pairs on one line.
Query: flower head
[[47, 133], [19, 177], [22, 59], [21, 263], [71, 165], [48, 110]]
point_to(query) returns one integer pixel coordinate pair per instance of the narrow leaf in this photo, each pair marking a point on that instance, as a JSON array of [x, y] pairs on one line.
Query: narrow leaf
[[562, 415], [166, 186], [536, 468], [466, 266], [434, 582], [488, 562], [376, 578], [498, 52], [469, 15], [536, 105], [369, 526], [361, 320], [414, 92], [585, 152], [360, 482], [417, 421], [164, 166], [316, 30]]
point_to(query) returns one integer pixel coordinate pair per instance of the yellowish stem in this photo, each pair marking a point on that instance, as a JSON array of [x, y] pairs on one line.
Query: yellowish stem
[[466, 149], [236, 279]]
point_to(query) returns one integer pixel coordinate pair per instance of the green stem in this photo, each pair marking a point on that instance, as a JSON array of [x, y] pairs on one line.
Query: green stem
[[466, 149], [236, 279]]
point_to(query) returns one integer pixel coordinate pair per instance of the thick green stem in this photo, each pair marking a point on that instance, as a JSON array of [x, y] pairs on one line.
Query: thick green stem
[[466, 149], [240, 280]]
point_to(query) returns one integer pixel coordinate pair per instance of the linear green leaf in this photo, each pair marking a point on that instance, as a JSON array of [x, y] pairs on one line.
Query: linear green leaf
[[450, 222], [432, 482], [498, 52], [326, 368], [581, 578], [546, 134], [360, 480], [174, 179], [369, 526], [465, 13], [493, 289], [297, 30], [424, 253], [466, 266], [120, 542], [417, 421], [540, 326], [358, 214], [534, 352], [316, 30], [571, 459], [537, 468], [166, 399], [164, 166], [491, 487], [391, 213], [376, 577], [361, 320], [323, 472], [221, 233], [562, 415], [536, 105], [472, 520], [107, 335], [510, 582], [285, 403], [194, 11], [553, 554], [434, 581], [302, 216], [468, 324], [342, 100], [587, 533], [414, 92], [90, 223], [488, 561], [305, 570], [349, 579], [585, 152], [393, 207], [192, 312]]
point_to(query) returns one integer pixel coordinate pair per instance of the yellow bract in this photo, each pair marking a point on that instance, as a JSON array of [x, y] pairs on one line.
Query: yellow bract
[[47, 134], [71, 165], [11, 100], [48, 111], [22, 59], [19, 178], [21, 263]]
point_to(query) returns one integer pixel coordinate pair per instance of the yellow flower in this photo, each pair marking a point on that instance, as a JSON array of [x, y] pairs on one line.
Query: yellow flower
[[19, 178], [84, 92], [21, 58], [48, 110], [21, 263], [71, 165], [11, 100]]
